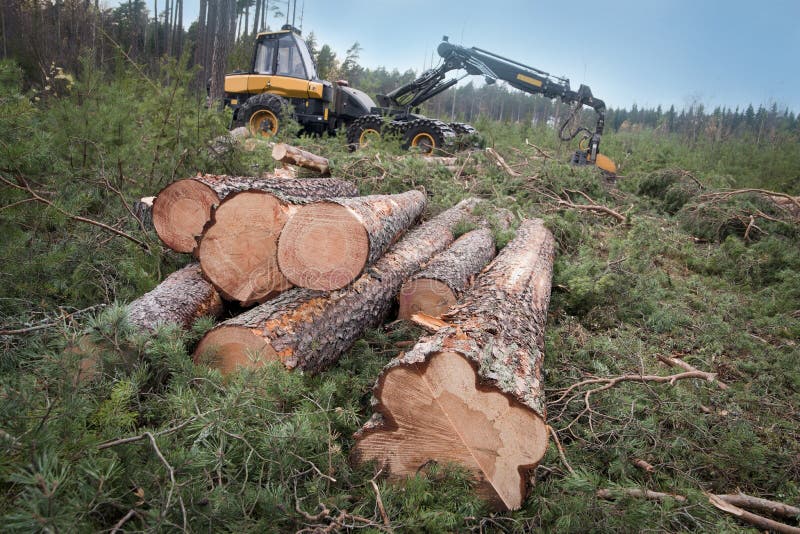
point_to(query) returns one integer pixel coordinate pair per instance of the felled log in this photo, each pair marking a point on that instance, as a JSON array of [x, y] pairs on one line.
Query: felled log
[[238, 249], [326, 245], [181, 298], [297, 156], [182, 208], [437, 287], [310, 330], [472, 393]]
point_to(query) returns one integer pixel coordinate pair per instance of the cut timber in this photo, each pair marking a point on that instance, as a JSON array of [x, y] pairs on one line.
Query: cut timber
[[472, 393], [180, 299], [437, 287], [296, 156], [238, 250], [326, 245], [182, 208], [309, 329]]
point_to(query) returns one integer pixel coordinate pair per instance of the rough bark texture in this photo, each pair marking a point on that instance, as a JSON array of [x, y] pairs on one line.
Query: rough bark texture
[[181, 298], [143, 210], [439, 401], [437, 287], [326, 245], [296, 156], [182, 208], [310, 329]]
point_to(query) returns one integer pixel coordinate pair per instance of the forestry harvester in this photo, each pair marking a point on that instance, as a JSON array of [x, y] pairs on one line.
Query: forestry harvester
[[283, 77]]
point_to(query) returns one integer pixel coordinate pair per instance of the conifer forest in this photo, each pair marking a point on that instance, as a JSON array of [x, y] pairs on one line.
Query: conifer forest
[[225, 307]]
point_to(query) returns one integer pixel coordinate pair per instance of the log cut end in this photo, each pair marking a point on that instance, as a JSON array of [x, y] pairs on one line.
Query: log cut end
[[438, 412], [229, 348], [238, 251], [323, 246], [180, 211], [424, 295]]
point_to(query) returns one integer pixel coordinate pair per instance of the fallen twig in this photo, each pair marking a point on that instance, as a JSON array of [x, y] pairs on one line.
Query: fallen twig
[[560, 449], [379, 502], [541, 151], [762, 505], [754, 519], [677, 362], [49, 324], [611, 495], [501, 162]]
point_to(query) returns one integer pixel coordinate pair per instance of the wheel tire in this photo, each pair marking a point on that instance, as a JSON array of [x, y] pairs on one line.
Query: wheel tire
[[263, 114], [364, 129], [427, 135], [467, 136]]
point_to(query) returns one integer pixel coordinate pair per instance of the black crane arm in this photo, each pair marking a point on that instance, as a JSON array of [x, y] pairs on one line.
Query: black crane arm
[[479, 62]]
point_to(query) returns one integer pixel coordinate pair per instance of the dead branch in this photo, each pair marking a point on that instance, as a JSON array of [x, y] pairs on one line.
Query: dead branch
[[726, 503], [611, 495], [677, 362], [762, 505], [592, 206], [544, 154], [501, 162], [749, 517], [560, 449], [722, 195], [48, 324], [379, 502], [116, 528], [644, 465], [23, 186]]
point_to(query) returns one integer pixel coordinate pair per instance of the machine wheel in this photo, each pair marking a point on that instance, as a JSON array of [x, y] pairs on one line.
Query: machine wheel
[[262, 114], [461, 128], [363, 130], [427, 135], [467, 136]]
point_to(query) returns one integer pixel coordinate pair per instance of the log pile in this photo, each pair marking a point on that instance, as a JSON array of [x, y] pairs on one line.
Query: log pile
[[182, 209], [470, 393]]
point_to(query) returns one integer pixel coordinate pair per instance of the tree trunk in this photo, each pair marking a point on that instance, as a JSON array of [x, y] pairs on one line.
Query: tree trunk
[[238, 250], [296, 156], [219, 53], [326, 245], [257, 17], [182, 209], [181, 298], [309, 329], [472, 393], [436, 288]]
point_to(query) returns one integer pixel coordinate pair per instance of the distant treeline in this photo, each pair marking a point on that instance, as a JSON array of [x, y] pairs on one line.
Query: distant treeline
[[41, 35]]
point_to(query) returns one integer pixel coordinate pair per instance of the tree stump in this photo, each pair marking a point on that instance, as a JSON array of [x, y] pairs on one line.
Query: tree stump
[[439, 285], [181, 210], [310, 330], [472, 393], [326, 245]]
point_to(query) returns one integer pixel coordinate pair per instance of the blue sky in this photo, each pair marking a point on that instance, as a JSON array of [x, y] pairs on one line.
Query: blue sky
[[668, 52]]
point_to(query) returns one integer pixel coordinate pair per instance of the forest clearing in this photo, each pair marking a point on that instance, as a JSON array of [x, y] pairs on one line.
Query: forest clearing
[[212, 323]]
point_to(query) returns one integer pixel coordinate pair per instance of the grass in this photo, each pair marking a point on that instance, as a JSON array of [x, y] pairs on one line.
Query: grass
[[248, 452]]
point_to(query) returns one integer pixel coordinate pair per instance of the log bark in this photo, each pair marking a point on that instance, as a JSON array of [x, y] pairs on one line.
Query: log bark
[[181, 298], [310, 330], [143, 210], [297, 156], [472, 393], [238, 249], [182, 208], [326, 245], [441, 283]]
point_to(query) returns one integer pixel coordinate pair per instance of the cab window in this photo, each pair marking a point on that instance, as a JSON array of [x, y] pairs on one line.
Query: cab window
[[290, 61], [265, 56]]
